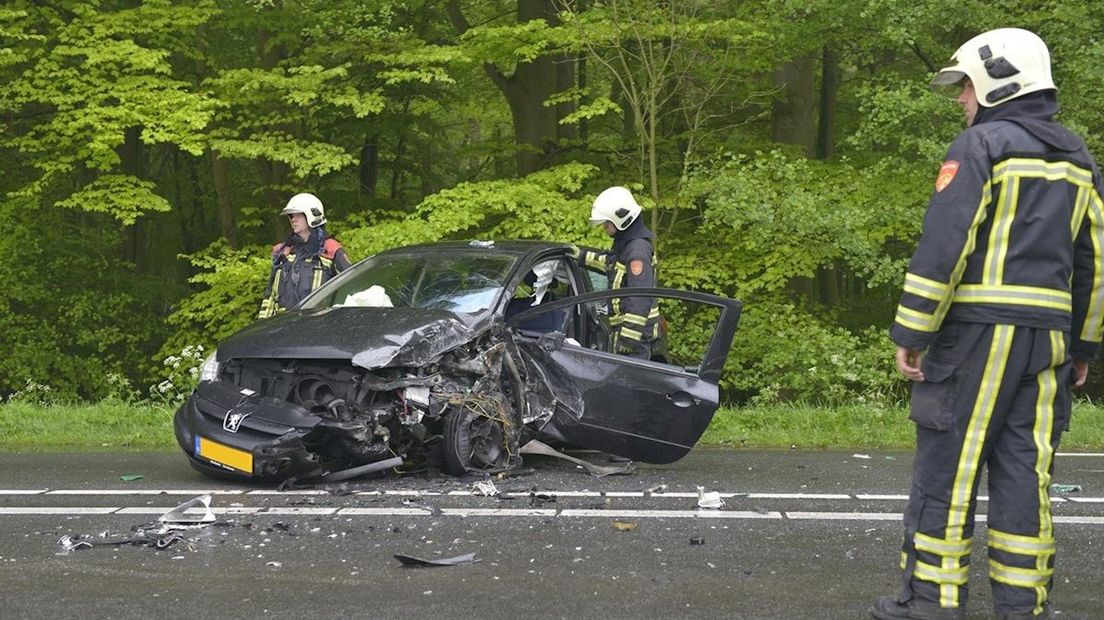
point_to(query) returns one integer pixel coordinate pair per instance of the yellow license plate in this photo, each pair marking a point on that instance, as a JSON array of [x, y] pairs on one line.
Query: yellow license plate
[[224, 455]]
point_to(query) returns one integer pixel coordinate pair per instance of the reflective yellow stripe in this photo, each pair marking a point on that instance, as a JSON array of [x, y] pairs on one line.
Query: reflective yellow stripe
[[1080, 207], [635, 319], [631, 334], [943, 576], [1019, 577], [1020, 167], [595, 260], [1000, 233], [984, 403], [1092, 329], [1035, 296], [923, 287], [1023, 545], [1041, 547], [914, 319], [904, 560], [940, 546], [967, 249]]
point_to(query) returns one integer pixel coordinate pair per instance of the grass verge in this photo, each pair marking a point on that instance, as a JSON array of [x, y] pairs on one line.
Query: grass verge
[[859, 426], [114, 426], [107, 426]]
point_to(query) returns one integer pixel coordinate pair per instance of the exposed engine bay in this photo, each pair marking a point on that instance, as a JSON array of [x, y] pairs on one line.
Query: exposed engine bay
[[460, 413]]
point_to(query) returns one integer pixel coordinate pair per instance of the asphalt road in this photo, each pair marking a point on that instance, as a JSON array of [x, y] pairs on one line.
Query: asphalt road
[[801, 535]]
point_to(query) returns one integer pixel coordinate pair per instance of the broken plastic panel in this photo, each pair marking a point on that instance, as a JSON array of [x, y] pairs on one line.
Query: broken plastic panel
[[536, 447], [196, 511], [409, 560]]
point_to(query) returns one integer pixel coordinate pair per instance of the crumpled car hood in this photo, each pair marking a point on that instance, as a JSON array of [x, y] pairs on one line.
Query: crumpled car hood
[[369, 337]]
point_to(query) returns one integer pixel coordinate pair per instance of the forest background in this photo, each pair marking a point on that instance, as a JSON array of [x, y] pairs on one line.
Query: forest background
[[785, 151]]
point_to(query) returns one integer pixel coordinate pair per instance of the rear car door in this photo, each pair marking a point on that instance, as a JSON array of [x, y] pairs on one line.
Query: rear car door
[[642, 409]]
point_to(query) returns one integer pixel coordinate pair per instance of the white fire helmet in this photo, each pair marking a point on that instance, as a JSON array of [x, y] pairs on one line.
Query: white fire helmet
[[310, 206], [1002, 64], [616, 205]]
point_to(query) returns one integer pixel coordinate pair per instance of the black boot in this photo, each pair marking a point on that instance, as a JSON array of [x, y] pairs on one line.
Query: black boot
[[887, 608]]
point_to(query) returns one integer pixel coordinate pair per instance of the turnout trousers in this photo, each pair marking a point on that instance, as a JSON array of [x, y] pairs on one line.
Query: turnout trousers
[[995, 396]]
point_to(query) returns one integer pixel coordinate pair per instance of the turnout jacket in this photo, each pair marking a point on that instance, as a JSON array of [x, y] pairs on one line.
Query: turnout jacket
[[634, 320], [297, 269], [1014, 232]]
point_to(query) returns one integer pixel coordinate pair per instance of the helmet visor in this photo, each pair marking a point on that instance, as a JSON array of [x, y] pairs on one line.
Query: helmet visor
[[949, 82]]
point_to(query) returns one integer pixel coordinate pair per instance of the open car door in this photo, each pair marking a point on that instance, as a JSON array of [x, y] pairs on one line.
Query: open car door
[[650, 410]]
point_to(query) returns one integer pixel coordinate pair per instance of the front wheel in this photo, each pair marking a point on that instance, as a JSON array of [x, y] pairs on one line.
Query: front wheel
[[475, 443]]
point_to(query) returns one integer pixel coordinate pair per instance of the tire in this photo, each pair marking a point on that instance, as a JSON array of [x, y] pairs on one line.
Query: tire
[[474, 443]]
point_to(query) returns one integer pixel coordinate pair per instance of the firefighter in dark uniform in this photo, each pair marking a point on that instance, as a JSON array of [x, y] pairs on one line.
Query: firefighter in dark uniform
[[631, 262], [1001, 314], [305, 260]]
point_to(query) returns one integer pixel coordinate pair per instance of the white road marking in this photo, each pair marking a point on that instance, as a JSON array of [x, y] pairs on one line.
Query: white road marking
[[642, 514], [604, 513], [144, 492], [550, 493], [57, 510], [297, 510], [846, 516], [384, 512], [160, 510], [1080, 520], [499, 512], [798, 496]]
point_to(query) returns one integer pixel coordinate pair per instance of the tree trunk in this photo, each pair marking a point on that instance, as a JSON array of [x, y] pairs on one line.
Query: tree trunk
[[793, 121], [273, 174], [220, 172], [369, 166], [794, 116], [131, 155], [536, 127], [829, 88]]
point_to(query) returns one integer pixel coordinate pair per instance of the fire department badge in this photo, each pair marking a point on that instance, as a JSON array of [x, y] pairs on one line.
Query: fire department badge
[[636, 267], [946, 175]]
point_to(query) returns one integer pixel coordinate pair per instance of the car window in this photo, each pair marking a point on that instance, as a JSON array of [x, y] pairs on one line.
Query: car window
[[458, 282], [599, 281], [682, 332]]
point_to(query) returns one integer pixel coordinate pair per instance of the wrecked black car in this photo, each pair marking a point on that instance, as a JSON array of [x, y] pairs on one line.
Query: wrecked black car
[[453, 355]]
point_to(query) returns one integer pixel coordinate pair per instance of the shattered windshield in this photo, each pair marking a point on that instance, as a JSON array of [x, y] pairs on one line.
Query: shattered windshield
[[457, 282]]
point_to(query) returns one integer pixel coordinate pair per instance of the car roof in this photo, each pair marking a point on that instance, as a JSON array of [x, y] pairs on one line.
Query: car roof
[[515, 247]]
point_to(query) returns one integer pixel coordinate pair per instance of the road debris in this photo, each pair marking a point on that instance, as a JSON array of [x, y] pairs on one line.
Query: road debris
[[539, 499], [413, 562], [860, 456], [485, 488], [710, 499], [185, 514], [697, 540], [1062, 489], [140, 538], [537, 447], [624, 526], [658, 488], [131, 477]]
